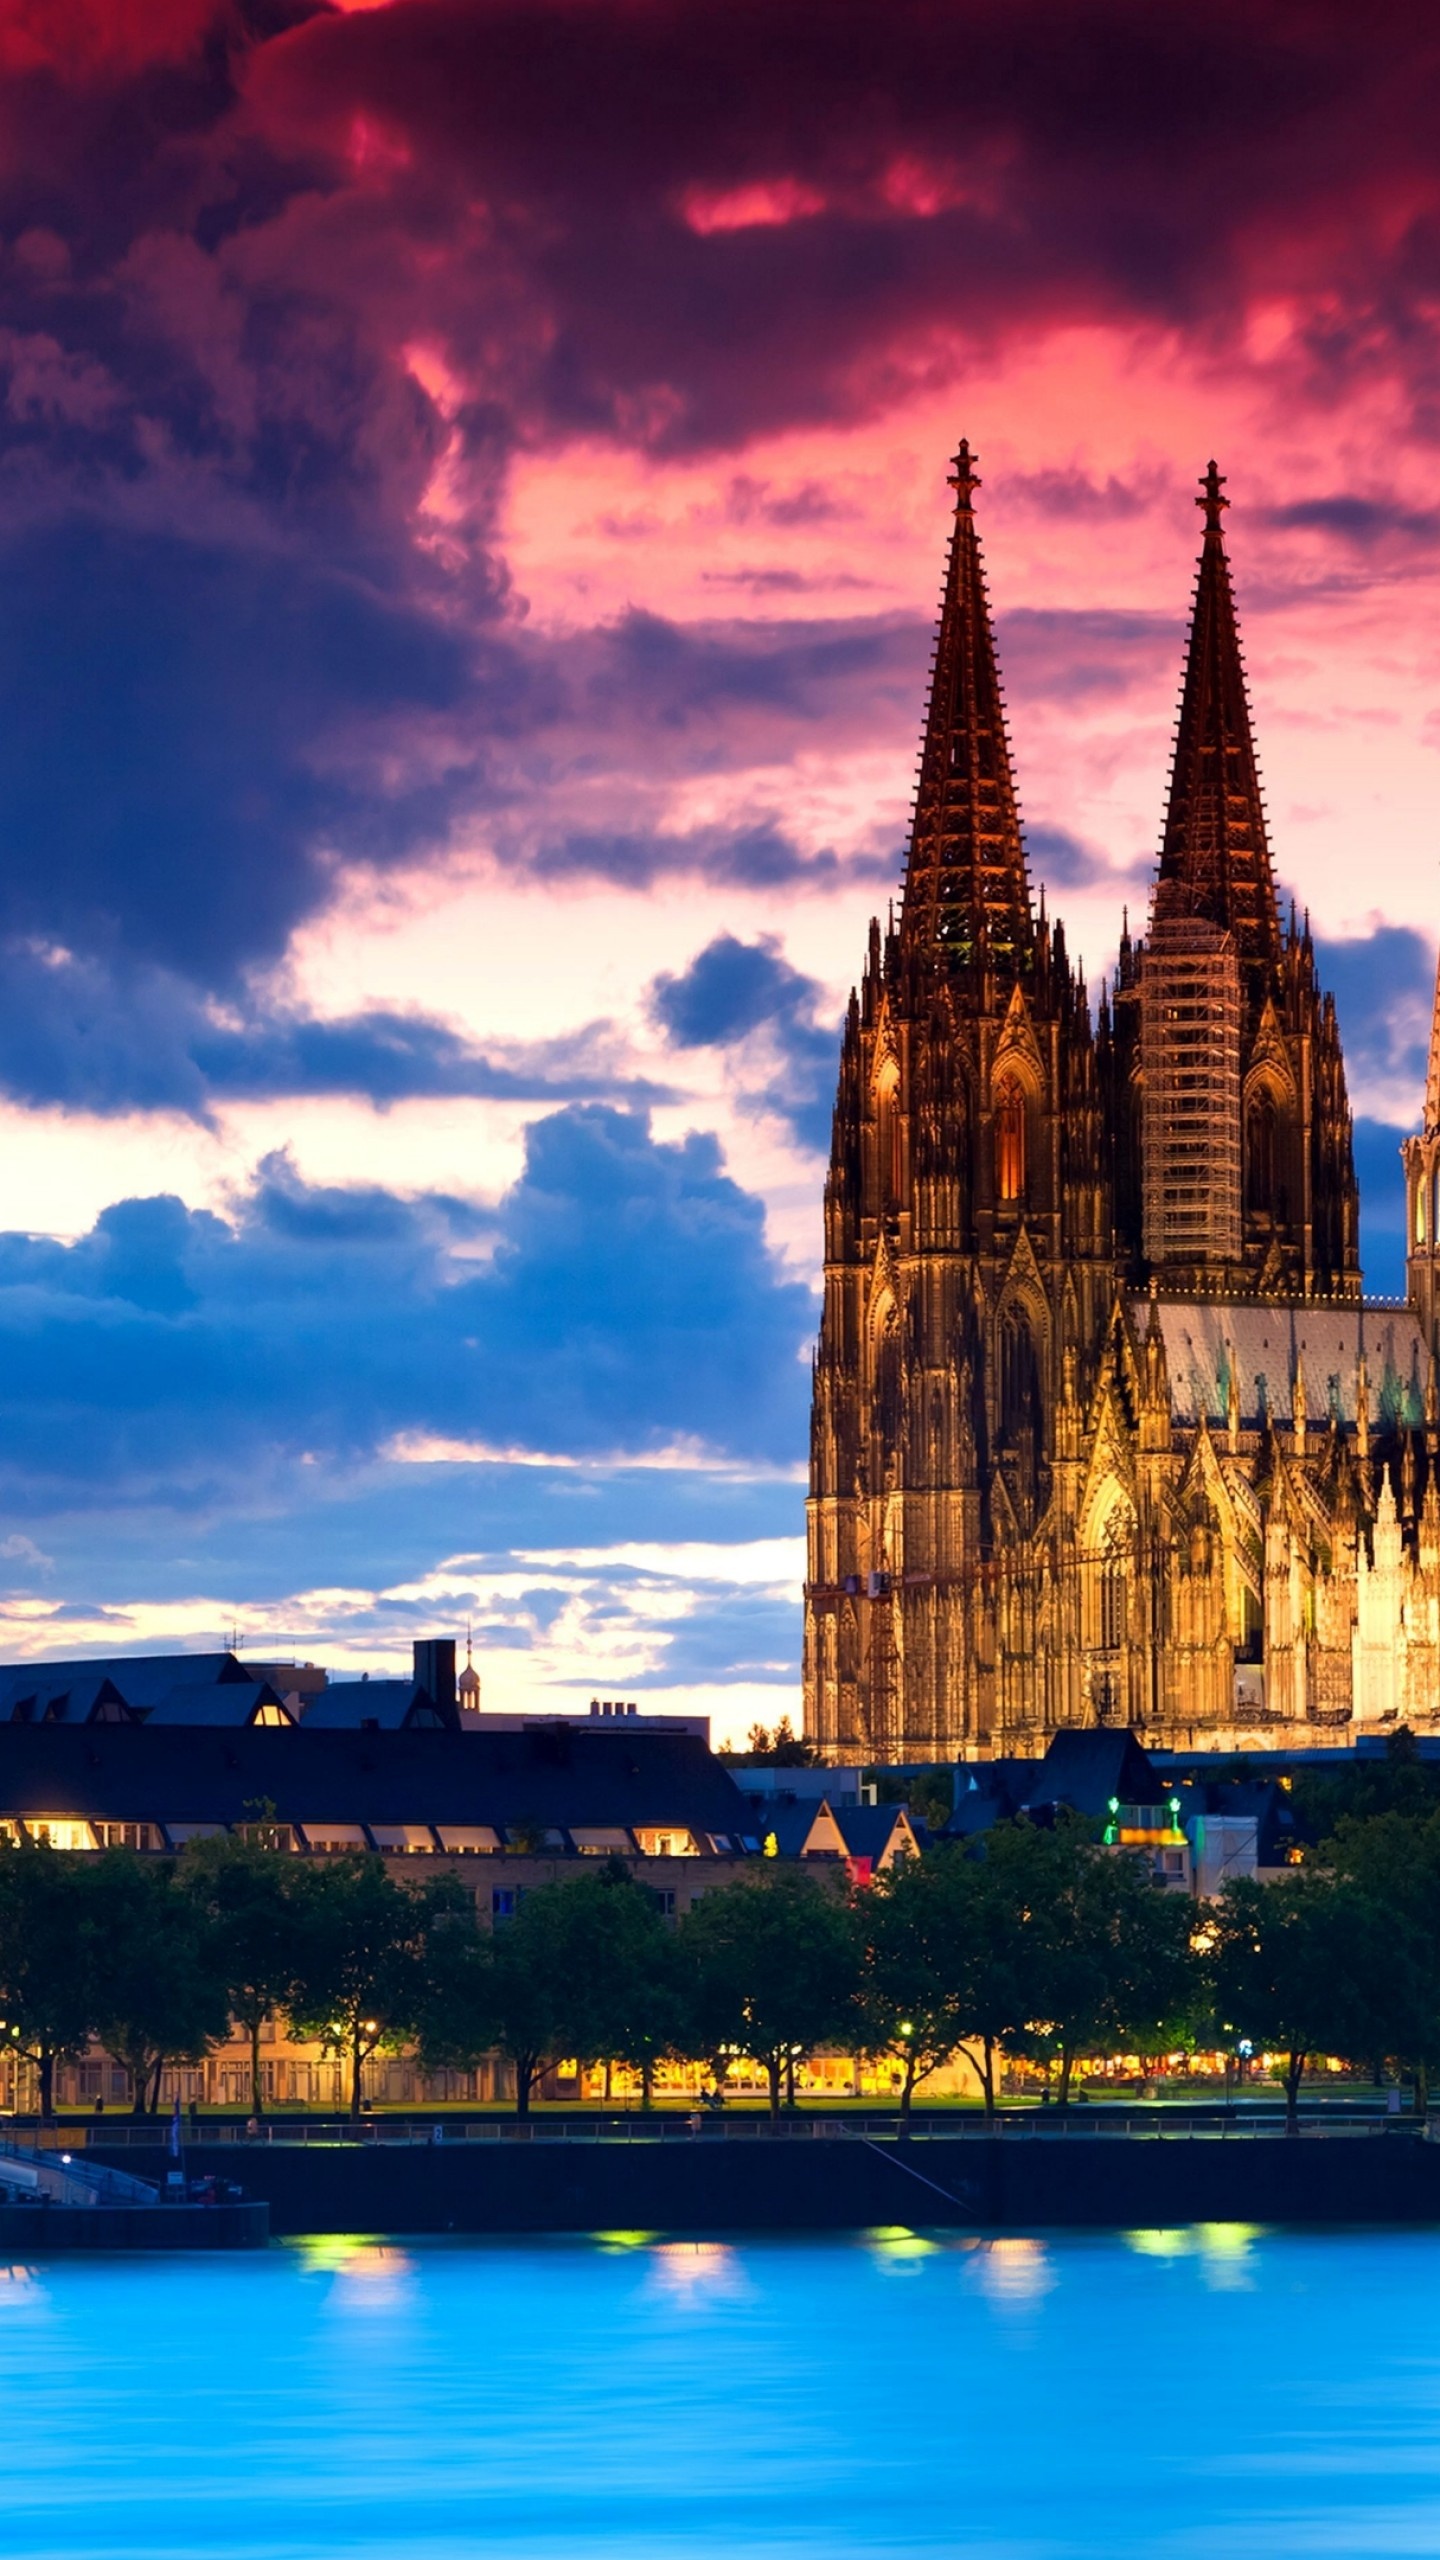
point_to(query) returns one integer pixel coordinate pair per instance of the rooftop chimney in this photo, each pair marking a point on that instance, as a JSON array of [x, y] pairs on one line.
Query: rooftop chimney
[[435, 1671]]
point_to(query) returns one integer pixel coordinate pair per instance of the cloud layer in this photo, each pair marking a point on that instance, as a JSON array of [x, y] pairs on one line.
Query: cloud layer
[[471, 502], [620, 1299]]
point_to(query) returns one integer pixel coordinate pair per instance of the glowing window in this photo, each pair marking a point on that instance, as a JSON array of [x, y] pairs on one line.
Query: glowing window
[[1009, 1139]]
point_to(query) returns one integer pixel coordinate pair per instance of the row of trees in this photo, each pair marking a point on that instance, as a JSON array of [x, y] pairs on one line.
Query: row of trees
[[1033, 1941]]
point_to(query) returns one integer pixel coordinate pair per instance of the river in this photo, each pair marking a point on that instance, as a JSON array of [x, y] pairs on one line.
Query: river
[[1192, 2392]]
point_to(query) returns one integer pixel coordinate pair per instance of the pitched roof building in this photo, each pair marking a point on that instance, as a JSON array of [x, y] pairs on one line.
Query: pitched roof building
[[550, 1790], [1103, 1430]]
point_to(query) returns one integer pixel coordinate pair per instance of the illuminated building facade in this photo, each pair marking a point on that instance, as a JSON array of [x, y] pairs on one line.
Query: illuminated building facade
[[1103, 1429]]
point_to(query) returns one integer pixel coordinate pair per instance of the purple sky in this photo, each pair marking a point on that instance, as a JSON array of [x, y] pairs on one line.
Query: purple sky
[[472, 495]]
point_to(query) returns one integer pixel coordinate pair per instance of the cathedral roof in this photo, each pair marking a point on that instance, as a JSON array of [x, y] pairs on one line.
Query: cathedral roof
[[1263, 1340], [1215, 855], [967, 891]]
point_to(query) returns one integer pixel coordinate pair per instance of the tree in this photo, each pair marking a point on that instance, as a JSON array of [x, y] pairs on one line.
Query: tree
[[584, 1966], [247, 1887], [909, 2002], [1100, 1955], [1291, 1964], [627, 1998], [773, 1969], [453, 2007], [360, 1956], [784, 1748], [1399, 1781], [159, 1985], [47, 1957], [1392, 1861], [533, 1991], [984, 1922]]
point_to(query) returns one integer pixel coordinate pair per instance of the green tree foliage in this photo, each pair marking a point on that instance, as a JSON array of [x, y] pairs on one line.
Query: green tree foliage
[[584, 1967], [629, 2004], [1293, 1967], [363, 1943], [1397, 1782], [158, 1989], [1101, 1957], [537, 1980], [936, 1972], [773, 1970], [249, 1891], [47, 1956], [906, 2003], [1391, 1864], [783, 1749]]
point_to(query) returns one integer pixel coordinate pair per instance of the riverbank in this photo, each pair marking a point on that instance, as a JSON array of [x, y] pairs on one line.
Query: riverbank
[[40, 2230], [708, 2183]]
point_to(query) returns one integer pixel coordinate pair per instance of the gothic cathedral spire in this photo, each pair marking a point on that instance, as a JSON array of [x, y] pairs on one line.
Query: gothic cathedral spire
[[1215, 854], [1247, 1178], [967, 892]]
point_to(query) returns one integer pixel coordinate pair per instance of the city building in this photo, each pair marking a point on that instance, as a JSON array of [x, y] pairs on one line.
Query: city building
[[1196, 1823], [1104, 1432], [542, 1795], [220, 1689], [505, 1811]]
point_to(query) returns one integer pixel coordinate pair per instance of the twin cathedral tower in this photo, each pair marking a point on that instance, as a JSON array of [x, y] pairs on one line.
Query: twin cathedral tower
[[1103, 1429]]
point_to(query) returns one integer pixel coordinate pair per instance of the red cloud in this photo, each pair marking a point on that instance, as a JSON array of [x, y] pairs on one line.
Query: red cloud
[[102, 41]]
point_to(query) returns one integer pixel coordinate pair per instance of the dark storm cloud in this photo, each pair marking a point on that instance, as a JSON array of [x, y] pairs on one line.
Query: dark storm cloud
[[1362, 522], [928, 171], [1057, 654], [237, 654], [1062, 861], [185, 739], [196, 731], [749, 857], [627, 1301], [733, 991]]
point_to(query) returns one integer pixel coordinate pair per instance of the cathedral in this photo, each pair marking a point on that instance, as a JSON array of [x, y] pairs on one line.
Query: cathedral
[[1104, 1430]]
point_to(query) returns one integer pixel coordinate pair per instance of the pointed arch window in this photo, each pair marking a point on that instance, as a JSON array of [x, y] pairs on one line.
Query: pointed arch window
[[890, 1138], [1112, 1580], [1260, 1153], [1009, 1139], [1422, 1191], [1020, 1397]]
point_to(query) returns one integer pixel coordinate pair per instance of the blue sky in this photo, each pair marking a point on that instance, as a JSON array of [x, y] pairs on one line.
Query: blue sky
[[472, 503]]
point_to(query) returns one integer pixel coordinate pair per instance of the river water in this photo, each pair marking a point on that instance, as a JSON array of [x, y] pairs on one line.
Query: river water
[[1215, 2391]]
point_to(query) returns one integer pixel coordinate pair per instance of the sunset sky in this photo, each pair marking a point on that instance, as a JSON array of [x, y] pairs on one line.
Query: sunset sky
[[472, 488]]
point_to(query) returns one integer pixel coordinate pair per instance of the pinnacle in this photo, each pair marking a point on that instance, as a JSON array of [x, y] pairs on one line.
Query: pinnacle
[[1215, 857], [967, 891]]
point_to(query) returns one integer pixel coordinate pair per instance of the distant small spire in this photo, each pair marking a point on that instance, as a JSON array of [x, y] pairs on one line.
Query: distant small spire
[[1210, 498], [964, 479]]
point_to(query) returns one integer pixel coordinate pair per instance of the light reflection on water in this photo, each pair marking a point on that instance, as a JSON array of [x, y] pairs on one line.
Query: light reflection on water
[[1170, 2393]]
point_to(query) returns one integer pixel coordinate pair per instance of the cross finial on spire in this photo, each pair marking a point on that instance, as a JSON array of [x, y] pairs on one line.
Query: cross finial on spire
[[963, 477], [1211, 500]]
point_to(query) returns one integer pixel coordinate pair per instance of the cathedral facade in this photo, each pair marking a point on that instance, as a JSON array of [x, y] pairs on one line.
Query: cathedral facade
[[1104, 1430]]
